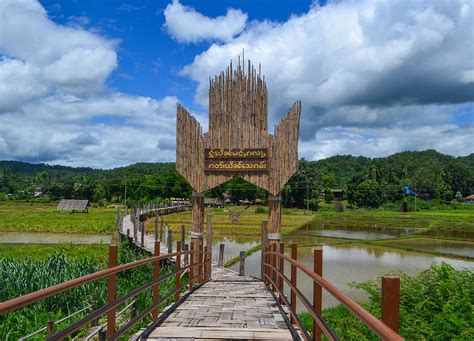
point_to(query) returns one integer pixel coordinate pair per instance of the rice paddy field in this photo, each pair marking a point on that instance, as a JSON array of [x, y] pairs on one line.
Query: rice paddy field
[[43, 217]]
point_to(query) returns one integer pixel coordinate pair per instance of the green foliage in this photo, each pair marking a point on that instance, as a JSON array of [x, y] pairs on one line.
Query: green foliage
[[22, 276], [422, 171], [260, 209], [367, 194], [436, 304]]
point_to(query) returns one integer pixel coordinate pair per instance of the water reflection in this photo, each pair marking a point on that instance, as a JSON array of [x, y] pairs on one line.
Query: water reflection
[[343, 264], [315, 228]]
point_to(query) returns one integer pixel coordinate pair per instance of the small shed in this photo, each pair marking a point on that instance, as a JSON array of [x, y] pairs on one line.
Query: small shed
[[213, 202], [73, 205], [469, 199]]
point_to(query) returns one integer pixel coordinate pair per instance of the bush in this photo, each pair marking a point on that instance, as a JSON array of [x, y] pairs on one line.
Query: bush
[[260, 210], [436, 304]]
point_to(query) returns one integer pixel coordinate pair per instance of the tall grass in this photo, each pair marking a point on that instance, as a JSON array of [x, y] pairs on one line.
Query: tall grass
[[22, 276]]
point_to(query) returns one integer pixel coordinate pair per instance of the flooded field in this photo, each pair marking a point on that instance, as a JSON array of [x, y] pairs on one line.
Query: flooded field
[[437, 245], [343, 264]]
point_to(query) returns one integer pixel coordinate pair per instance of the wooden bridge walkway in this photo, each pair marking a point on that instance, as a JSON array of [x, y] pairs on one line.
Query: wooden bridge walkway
[[227, 307]]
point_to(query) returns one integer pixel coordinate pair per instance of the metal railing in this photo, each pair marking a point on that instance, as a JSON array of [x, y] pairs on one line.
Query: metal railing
[[199, 271], [273, 274]]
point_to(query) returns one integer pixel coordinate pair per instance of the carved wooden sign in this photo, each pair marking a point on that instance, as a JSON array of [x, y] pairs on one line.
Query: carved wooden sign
[[238, 142], [236, 160]]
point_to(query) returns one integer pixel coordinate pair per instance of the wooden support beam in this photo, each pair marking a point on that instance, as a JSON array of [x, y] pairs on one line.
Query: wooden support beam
[[391, 302], [111, 290], [317, 291]]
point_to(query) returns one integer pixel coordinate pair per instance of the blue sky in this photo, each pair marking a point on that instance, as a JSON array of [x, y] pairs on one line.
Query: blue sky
[[95, 83]]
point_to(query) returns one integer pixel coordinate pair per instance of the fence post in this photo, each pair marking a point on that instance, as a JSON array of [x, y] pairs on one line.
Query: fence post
[[156, 275], [209, 245], [161, 229], [191, 263], [183, 235], [135, 229], [126, 210], [111, 290], [262, 253], [207, 269], [220, 262], [242, 263], [201, 264], [178, 268], [281, 270], [317, 290], [170, 239], [142, 224], [267, 261], [50, 327], [156, 226], [294, 256], [186, 255], [102, 335], [391, 302]]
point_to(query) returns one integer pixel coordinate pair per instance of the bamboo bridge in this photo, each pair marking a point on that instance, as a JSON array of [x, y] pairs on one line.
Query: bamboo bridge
[[216, 303]]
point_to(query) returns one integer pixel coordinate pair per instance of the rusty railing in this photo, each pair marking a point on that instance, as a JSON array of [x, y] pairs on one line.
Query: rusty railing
[[199, 272], [273, 275]]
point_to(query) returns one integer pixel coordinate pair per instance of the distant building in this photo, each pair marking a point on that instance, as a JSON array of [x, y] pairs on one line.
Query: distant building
[[213, 202], [469, 199], [338, 193], [73, 205]]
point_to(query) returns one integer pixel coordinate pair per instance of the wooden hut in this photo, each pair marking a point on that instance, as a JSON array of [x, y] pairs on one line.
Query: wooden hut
[[74, 205]]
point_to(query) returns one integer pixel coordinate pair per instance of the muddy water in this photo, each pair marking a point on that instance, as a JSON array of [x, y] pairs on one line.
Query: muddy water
[[356, 263], [316, 228], [53, 238]]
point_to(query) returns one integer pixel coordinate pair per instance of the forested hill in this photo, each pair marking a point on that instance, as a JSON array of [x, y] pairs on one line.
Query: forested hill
[[428, 171]]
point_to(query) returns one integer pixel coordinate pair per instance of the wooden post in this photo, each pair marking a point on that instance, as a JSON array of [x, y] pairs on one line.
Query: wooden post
[[317, 291], [126, 210], [182, 235], [161, 230], [197, 218], [201, 264], [294, 256], [281, 270], [135, 229], [156, 275], [156, 226], [142, 224], [186, 255], [50, 327], [170, 239], [178, 268], [391, 302], [209, 246], [111, 290], [274, 217], [220, 262], [264, 245], [207, 263], [242, 263], [191, 269], [274, 264]]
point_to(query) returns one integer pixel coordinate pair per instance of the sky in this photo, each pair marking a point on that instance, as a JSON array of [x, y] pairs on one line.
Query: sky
[[96, 83]]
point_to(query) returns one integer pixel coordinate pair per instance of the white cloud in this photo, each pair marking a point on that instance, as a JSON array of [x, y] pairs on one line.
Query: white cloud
[[54, 105], [189, 26], [364, 65]]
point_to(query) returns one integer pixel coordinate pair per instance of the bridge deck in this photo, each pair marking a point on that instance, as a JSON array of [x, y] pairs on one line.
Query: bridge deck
[[227, 307]]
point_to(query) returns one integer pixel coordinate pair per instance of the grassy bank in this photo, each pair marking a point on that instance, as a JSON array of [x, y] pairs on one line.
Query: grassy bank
[[24, 216], [97, 252]]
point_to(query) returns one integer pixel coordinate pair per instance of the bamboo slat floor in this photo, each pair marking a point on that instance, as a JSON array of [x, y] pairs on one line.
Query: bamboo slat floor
[[227, 307]]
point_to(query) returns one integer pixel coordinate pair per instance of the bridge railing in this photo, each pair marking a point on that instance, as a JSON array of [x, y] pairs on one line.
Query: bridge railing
[[273, 274], [199, 272]]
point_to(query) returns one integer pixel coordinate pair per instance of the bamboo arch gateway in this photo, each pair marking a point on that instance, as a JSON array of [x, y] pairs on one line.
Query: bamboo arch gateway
[[238, 143]]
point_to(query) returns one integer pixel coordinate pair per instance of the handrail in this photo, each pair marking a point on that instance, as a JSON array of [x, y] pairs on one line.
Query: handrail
[[199, 262], [374, 323], [38, 295]]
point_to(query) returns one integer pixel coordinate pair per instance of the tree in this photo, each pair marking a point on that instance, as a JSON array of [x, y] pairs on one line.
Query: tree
[[368, 194], [443, 191]]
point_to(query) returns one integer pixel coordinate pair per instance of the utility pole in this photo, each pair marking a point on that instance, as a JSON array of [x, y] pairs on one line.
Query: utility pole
[[125, 203], [307, 195], [416, 193]]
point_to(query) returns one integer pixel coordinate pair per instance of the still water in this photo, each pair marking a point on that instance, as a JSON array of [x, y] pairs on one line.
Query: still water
[[343, 264], [353, 232]]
